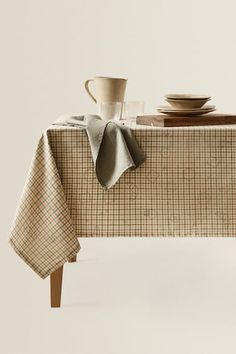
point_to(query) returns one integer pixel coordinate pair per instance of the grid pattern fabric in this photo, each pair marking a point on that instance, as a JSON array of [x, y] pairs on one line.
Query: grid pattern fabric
[[42, 233], [186, 187]]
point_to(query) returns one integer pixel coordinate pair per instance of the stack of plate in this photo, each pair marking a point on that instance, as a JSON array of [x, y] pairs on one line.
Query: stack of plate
[[186, 105]]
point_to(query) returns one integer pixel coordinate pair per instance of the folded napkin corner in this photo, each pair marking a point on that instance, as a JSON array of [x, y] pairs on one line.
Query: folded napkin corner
[[113, 147]]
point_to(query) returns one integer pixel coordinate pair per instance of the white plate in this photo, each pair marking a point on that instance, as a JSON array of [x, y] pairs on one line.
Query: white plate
[[186, 112]]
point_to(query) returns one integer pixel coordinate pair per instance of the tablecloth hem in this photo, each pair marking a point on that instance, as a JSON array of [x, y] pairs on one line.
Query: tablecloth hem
[[154, 236], [44, 274]]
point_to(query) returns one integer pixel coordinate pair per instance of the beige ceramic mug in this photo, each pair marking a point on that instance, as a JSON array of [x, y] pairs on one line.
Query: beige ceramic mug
[[108, 89]]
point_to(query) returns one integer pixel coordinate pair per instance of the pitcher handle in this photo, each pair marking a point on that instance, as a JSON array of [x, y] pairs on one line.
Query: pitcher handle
[[86, 85]]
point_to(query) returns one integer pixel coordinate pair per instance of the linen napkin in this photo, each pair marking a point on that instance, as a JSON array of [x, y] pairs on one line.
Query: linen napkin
[[113, 146]]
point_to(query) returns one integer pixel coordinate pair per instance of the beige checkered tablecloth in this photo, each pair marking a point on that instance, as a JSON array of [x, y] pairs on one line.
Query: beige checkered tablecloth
[[186, 187]]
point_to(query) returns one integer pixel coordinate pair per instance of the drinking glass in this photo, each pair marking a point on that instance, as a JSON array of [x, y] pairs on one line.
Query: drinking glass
[[110, 110], [132, 109]]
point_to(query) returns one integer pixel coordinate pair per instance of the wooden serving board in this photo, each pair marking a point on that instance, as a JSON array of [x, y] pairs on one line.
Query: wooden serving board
[[163, 120]]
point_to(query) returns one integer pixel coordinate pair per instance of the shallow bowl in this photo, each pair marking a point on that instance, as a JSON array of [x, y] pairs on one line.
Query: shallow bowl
[[187, 103], [186, 96]]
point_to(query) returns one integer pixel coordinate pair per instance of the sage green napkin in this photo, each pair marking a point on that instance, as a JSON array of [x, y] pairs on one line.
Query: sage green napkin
[[113, 146]]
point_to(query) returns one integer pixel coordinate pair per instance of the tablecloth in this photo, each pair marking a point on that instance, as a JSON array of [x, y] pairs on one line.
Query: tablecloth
[[186, 187]]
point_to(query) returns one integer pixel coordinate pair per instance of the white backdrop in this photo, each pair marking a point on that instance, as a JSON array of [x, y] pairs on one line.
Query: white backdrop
[[48, 48]]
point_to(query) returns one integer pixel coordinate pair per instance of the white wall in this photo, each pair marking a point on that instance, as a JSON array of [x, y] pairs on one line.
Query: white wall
[[49, 47]]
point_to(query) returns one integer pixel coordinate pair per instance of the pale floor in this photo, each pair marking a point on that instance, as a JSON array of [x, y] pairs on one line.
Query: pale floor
[[128, 296]]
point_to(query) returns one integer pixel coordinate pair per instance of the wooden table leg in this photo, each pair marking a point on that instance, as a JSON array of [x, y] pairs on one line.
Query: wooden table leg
[[72, 260], [56, 286]]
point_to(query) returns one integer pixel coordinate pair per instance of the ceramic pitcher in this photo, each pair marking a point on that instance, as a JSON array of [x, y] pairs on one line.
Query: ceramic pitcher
[[107, 89]]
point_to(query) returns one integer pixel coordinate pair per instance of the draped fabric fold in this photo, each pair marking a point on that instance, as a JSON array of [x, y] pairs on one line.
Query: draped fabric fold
[[42, 233], [113, 146]]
